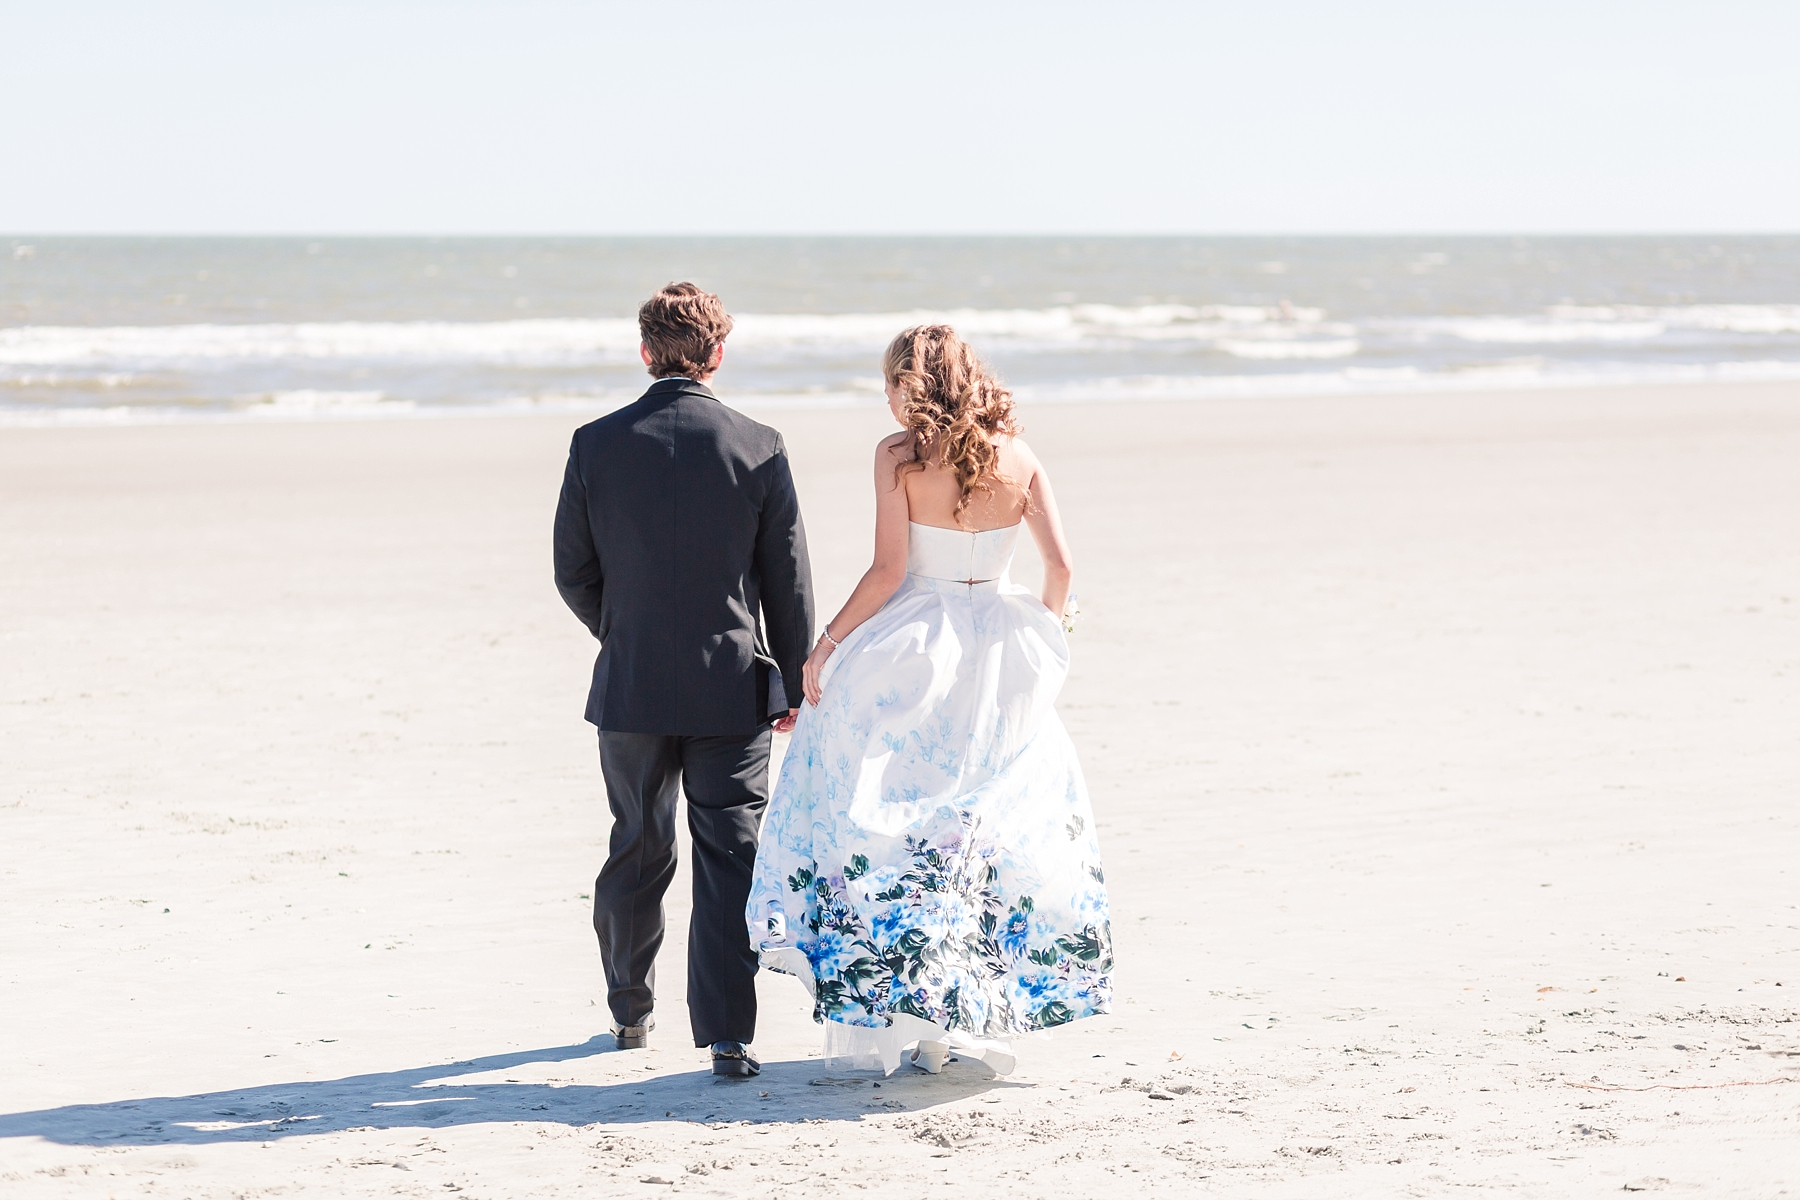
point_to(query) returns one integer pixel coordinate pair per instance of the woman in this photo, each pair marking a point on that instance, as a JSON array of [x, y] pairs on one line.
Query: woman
[[928, 864]]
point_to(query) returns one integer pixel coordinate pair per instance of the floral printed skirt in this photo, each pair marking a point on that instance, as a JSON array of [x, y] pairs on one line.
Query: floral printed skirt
[[928, 866]]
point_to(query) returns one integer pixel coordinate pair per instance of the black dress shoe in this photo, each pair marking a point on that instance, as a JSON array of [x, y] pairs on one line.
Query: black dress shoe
[[633, 1037], [734, 1058]]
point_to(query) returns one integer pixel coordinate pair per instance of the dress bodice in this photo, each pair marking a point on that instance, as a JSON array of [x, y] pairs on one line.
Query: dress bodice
[[959, 555]]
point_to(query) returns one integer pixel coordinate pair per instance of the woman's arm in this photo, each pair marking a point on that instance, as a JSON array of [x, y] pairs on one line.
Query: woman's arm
[[884, 575], [1046, 528]]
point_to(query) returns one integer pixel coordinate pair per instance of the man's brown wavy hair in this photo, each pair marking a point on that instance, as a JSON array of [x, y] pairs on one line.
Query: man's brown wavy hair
[[681, 327], [953, 407]]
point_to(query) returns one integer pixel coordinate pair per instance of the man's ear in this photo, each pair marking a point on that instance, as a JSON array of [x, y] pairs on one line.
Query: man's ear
[[718, 356], [644, 353]]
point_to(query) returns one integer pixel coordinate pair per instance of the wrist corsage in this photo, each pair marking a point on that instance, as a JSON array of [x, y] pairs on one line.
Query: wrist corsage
[[1071, 610]]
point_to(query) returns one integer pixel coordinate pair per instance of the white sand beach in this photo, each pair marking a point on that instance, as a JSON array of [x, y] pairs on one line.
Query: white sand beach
[[1445, 749]]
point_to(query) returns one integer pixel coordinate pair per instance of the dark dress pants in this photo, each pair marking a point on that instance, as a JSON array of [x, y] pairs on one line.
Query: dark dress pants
[[727, 784]]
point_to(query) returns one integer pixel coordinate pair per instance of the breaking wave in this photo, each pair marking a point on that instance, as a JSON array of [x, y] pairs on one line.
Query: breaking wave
[[353, 369]]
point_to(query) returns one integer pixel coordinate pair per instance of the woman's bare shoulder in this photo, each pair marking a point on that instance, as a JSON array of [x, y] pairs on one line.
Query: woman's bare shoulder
[[1028, 459], [890, 453], [896, 447]]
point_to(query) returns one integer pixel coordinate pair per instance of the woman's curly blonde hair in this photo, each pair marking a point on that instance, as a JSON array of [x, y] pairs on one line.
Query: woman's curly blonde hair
[[952, 405]]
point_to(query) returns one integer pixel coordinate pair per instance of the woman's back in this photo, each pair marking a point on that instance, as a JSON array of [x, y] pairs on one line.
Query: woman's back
[[932, 492]]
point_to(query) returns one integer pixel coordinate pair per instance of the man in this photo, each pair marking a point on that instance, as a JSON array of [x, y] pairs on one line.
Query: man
[[678, 522]]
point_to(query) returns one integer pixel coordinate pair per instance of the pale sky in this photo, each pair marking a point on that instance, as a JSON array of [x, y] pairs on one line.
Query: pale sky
[[768, 116]]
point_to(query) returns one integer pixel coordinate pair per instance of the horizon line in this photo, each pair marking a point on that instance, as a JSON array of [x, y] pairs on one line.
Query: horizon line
[[16, 235]]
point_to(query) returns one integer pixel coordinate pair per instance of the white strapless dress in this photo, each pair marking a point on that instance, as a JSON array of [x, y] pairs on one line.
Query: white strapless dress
[[928, 865]]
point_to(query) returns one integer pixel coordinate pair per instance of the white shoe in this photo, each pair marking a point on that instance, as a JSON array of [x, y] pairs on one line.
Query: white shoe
[[930, 1056]]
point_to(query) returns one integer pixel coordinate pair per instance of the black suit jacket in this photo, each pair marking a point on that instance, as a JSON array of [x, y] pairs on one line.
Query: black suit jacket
[[678, 522]]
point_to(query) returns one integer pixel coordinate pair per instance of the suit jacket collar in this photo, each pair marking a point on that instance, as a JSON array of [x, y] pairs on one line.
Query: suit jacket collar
[[673, 387]]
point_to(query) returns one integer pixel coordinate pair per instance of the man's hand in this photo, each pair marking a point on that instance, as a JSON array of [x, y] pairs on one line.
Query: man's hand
[[786, 724]]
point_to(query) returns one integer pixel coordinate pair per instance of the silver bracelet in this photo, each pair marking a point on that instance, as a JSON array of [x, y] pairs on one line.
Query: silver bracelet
[[826, 634]]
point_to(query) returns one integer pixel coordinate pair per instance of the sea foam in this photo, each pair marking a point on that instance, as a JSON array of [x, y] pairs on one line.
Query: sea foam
[[609, 339], [351, 369]]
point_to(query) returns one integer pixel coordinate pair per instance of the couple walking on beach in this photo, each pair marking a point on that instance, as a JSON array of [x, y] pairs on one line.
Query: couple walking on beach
[[927, 865]]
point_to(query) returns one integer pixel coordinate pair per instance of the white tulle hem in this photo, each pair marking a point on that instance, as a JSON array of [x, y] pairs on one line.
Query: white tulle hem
[[863, 1048]]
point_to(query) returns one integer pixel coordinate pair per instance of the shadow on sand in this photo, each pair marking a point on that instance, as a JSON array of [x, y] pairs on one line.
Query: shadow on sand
[[431, 1098]]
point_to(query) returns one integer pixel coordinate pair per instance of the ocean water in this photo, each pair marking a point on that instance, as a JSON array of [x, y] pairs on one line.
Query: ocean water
[[157, 329]]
